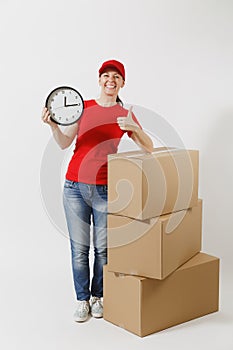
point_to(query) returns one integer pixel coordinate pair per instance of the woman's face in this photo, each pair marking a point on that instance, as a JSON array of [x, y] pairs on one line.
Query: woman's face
[[110, 82]]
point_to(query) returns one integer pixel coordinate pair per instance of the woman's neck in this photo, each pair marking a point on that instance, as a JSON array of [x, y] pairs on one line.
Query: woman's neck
[[106, 101]]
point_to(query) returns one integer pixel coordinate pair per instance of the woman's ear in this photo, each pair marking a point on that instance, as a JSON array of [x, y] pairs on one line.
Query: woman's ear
[[123, 84]]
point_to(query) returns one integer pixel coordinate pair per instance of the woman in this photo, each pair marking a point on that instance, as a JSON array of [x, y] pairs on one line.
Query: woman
[[98, 134]]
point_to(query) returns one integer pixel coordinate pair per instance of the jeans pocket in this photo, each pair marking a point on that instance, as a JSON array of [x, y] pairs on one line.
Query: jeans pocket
[[68, 184], [102, 191]]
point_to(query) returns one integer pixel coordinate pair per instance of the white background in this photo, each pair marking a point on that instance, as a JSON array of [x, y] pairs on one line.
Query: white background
[[179, 63]]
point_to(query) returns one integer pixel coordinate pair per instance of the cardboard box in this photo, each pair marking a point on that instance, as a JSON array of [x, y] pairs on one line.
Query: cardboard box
[[154, 247], [144, 185], [144, 306]]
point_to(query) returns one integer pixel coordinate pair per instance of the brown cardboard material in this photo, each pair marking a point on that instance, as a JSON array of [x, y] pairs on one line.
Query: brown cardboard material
[[145, 185], [144, 306], [154, 247]]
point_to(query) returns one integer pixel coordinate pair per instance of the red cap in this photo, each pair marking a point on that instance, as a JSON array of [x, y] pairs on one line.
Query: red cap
[[113, 64]]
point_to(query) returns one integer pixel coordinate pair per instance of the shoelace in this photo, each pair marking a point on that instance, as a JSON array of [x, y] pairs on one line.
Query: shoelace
[[83, 306], [96, 300]]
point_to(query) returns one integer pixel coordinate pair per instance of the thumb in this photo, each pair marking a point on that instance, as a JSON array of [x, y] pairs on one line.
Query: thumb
[[129, 115]]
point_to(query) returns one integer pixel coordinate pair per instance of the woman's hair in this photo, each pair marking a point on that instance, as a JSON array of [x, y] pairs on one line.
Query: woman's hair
[[118, 100]]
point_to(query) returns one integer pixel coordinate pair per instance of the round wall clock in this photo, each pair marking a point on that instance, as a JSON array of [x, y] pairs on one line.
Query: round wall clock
[[65, 105]]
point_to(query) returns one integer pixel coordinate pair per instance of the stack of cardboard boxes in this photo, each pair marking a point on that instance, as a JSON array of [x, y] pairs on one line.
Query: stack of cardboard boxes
[[156, 276]]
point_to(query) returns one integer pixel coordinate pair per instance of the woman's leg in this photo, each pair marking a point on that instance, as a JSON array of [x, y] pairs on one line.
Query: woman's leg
[[78, 213], [99, 207]]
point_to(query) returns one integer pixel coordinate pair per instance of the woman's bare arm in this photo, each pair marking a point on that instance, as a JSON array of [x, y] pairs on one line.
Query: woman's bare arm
[[63, 138]]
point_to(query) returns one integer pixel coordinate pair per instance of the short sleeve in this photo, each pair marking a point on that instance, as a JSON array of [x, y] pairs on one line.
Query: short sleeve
[[89, 103]]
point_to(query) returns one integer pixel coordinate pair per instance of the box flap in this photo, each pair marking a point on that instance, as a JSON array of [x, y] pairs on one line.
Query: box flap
[[123, 275], [141, 154], [199, 258], [123, 230]]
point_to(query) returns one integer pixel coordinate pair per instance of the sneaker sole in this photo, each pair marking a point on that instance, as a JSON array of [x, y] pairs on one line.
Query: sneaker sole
[[96, 315], [80, 319]]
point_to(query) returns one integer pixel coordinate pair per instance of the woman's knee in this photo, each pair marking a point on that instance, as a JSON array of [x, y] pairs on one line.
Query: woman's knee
[[80, 252], [101, 252]]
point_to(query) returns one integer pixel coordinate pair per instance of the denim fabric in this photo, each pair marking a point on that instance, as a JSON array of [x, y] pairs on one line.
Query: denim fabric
[[85, 204]]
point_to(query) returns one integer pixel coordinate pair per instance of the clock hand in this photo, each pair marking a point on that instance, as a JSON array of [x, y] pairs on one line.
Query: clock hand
[[65, 101], [75, 104]]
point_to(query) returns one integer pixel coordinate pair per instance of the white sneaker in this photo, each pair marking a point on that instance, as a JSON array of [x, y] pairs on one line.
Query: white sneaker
[[96, 307], [81, 314]]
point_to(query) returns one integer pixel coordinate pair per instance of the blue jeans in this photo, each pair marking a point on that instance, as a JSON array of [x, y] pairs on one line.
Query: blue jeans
[[83, 202]]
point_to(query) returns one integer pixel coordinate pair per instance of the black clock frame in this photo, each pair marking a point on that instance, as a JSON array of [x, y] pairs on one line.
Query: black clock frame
[[60, 88]]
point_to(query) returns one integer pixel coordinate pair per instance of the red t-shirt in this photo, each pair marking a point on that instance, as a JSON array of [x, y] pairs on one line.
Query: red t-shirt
[[98, 135]]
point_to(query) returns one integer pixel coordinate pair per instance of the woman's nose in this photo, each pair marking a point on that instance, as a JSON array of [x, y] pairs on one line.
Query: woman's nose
[[111, 78]]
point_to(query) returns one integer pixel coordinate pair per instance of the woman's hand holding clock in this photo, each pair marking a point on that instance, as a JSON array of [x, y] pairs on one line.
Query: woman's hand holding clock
[[47, 119]]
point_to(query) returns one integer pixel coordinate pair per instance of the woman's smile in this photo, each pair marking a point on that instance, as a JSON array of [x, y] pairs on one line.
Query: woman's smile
[[110, 86]]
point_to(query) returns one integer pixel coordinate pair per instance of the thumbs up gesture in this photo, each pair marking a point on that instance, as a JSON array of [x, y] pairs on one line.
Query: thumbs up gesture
[[127, 123]]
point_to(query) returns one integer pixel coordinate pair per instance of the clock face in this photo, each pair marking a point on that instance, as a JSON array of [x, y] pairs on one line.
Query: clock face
[[65, 105]]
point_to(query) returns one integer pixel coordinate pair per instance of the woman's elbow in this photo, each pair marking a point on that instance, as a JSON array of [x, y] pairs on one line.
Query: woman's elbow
[[64, 146], [149, 148]]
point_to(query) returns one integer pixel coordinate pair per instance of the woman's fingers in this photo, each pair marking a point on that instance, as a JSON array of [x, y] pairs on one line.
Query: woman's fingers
[[121, 124], [125, 123], [121, 120], [44, 112], [46, 115]]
